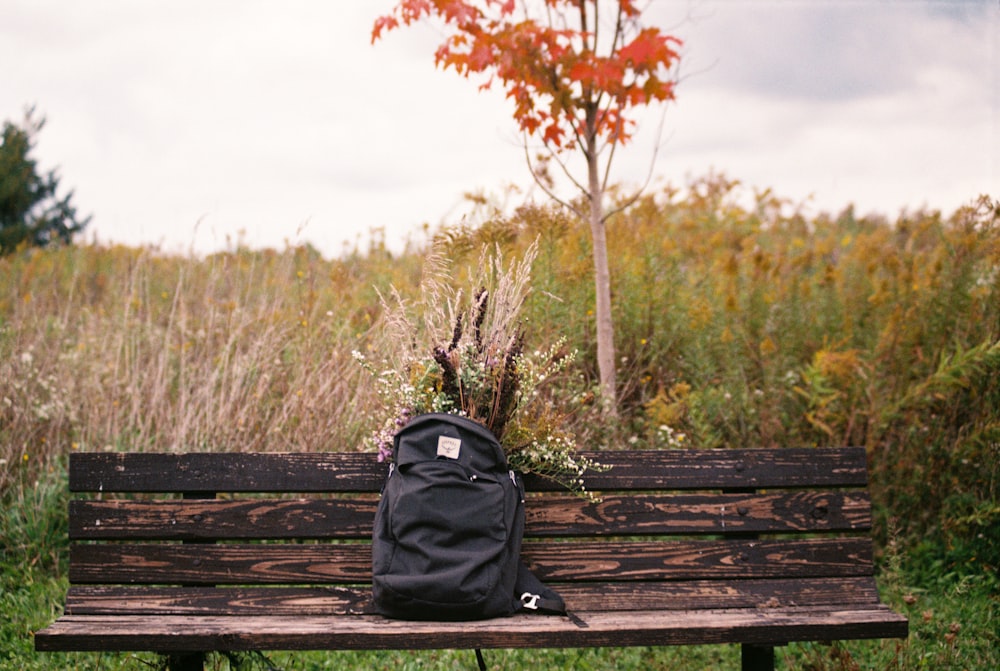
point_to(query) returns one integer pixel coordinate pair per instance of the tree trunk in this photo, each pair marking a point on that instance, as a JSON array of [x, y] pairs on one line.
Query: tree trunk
[[602, 286]]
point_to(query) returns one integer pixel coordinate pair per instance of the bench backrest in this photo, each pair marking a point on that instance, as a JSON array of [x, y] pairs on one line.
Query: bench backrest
[[290, 533]]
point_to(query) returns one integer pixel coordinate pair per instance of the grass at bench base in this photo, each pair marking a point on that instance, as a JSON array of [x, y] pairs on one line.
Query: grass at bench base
[[579, 659], [637, 659]]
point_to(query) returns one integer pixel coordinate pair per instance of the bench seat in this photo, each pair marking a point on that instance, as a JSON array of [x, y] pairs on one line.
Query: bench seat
[[178, 633]]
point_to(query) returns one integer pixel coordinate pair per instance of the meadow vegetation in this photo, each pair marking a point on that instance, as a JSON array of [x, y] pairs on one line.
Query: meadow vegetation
[[737, 324]]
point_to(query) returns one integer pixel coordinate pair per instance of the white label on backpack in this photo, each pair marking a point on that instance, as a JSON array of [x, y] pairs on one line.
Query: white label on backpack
[[449, 447]]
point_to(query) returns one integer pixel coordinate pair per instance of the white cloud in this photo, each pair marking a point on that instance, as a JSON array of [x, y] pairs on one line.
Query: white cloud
[[262, 117]]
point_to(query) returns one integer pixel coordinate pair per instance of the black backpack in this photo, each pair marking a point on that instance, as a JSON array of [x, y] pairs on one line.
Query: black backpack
[[447, 538]]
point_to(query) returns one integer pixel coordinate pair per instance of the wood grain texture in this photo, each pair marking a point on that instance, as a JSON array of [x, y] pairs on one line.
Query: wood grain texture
[[639, 514], [330, 563], [166, 633], [353, 472], [356, 599]]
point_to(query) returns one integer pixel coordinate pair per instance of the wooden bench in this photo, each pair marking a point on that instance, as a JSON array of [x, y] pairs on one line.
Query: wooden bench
[[188, 553]]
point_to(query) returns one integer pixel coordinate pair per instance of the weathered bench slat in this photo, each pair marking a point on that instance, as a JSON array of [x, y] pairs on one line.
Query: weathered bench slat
[[212, 472], [221, 520], [245, 601], [355, 472], [695, 559], [609, 628], [355, 599], [697, 514], [688, 514], [585, 561]]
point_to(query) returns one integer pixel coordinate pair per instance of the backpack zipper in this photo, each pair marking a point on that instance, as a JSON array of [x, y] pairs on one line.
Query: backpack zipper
[[392, 468], [517, 485]]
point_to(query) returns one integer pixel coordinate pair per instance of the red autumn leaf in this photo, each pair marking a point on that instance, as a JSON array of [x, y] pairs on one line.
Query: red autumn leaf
[[553, 135], [647, 50], [581, 71]]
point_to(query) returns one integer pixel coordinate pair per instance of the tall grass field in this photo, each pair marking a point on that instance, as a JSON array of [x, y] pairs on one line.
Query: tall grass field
[[736, 325]]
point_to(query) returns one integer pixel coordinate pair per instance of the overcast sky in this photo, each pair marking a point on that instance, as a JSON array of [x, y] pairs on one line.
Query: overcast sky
[[191, 124]]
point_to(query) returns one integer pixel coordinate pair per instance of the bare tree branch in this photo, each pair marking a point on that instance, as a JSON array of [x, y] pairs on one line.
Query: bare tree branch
[[544, 187], [649, 175]]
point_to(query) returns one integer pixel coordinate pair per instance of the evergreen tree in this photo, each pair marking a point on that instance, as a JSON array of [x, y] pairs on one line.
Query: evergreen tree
[[31, 212]]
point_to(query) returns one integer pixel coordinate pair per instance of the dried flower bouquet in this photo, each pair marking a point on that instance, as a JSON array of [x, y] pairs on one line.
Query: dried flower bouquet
[[466, 356]]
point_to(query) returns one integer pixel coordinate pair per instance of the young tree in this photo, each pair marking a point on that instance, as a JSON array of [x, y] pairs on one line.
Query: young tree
[[574, 69], [30, 211]]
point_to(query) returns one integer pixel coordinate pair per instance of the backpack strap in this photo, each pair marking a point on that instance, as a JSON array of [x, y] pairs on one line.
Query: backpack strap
[[535, 596]]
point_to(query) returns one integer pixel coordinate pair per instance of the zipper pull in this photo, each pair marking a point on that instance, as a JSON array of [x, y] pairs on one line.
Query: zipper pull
[[392, 468], [517, 485]]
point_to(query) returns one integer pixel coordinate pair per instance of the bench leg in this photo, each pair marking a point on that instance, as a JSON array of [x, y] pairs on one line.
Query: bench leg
[[757, 657], [186, 661]]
